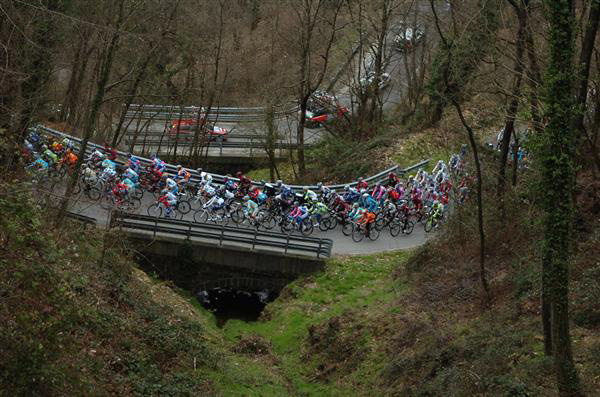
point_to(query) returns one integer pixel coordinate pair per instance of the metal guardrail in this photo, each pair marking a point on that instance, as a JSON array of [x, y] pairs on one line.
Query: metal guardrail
[[224, 114], [220, 144], [224, 235], [82, 218], [217, 178]]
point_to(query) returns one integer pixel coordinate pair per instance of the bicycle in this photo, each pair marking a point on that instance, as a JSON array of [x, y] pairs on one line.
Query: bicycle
[[305, 227], [432, 221], [363, 230], [405, 226], [110, 202], [208, 214], [156, 210]]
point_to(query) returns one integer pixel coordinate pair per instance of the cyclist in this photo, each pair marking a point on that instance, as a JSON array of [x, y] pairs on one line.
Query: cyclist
[[121, 192], [131, 175], [157, 164], [229, 184], [361, 184], [325, 192], [309, 196], [111, 153], [95, 159], [89, 176], [369, 203], [269, 189], [169, 200], [245, 182], [318, 209], [299, 213], [350, 194], [357, 212], [366, 220], [250, 208], [389, 208], [438, 210], [379, 193], [50, 157], [108, 175], [109, 164], [216, 202], [182, 177], [170, 184], [69, 159], [392, 180], [133, 163]]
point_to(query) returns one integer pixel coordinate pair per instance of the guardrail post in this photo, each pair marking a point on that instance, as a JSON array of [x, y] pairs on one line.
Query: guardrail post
[[155, 226], [220, 148], [189, 232], [254, 240], [251, 145], [222, 234], [319, 252], [287, 244]]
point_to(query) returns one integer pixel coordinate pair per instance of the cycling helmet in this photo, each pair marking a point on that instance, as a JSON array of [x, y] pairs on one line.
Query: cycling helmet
[[296, 203], [360, 178], [363, 191], [239, 174], [225, 179], [199, 170], [319, 185], [129, 155], [179, 166], [246, 198], [347, 187], [365, 195], [378, 184], [279, 183], [44, 147], [355, 205], [263, 182], [305, 188], [153, 156], [386, 202], [164, 176]]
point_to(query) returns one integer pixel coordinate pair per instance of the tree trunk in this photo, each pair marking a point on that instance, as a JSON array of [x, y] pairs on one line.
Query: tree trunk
[[584, 71], [556, 156], [511, 111], [482, 275], [91, 119]]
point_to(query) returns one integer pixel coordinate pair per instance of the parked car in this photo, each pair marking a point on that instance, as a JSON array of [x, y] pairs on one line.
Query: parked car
[[408, 37], [184, 130], [316, 117], [371, 78]]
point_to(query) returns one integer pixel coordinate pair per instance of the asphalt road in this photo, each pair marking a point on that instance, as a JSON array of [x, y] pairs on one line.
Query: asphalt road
[[342, 245]]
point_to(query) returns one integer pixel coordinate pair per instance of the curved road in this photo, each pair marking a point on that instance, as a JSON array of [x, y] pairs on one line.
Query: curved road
[[342, 245]]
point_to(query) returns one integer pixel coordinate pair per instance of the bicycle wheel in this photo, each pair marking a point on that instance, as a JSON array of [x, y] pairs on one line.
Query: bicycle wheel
[[287, 226], [138, 193], [195, 203], [267, 220], [77, 188], [429, 224], [380, 222], [373, 234], [93, 193], [183, 207], [221, 217], [325, 224], [134, 204], [395, 229], [107, 202], [237, 216], [408, 227], [347, 228], [200, 216], [306, 227], [333, 222], [357, 234], [154, 210]]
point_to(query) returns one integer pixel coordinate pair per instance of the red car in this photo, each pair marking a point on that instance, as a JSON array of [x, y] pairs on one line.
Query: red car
[[184, 130], [317, 117]]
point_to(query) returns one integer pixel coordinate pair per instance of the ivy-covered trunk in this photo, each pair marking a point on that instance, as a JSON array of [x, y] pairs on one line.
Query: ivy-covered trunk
[[555, 153]]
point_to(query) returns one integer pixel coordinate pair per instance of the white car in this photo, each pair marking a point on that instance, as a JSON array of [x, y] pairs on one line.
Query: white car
[[371, 77]]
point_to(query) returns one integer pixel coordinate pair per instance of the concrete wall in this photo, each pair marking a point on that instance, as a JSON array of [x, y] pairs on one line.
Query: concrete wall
[[244, 259]]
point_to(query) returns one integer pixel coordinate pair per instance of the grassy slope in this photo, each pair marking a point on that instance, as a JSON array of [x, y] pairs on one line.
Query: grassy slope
[[76, 325]]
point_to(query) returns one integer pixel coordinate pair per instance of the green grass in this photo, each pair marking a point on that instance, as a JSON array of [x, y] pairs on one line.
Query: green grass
[[345, 285]]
